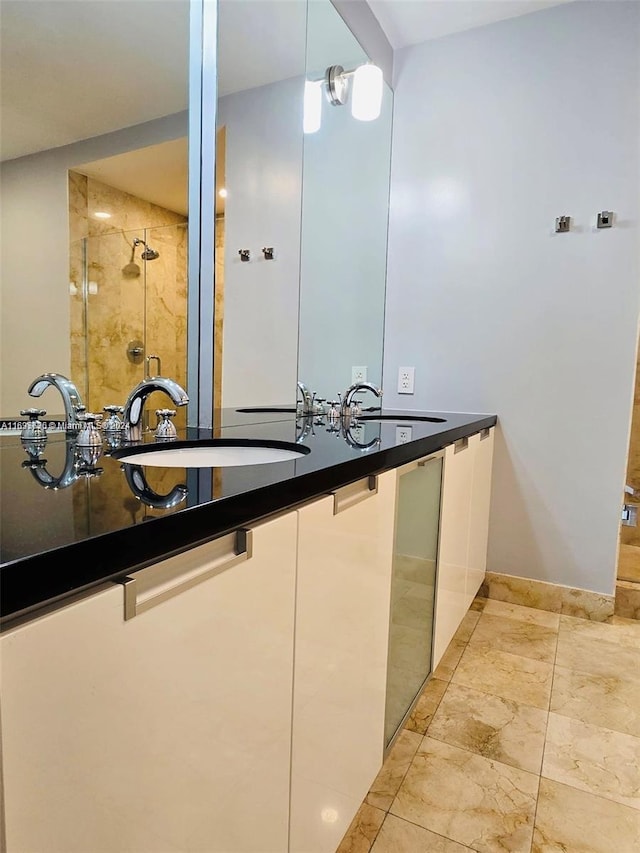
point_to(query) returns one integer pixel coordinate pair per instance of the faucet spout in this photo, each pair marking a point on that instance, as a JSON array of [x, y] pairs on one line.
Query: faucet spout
[[68, 391], [352, 390], [132, 412], [307, 399]]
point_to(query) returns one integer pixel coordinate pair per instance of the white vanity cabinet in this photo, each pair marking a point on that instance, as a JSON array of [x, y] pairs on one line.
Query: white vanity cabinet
[[464, 526], [345, 544], [166, 731]]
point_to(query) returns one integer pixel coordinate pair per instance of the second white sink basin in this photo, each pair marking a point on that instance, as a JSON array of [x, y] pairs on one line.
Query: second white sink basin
[[211, 453]]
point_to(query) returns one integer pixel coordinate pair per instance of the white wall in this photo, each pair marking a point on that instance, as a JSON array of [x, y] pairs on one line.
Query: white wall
[[34, 229], [497, 131], [263, 174]]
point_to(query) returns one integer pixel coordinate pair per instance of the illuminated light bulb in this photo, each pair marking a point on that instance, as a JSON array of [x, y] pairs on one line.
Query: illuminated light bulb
[[366, 96], [102, 214], [222, 193], [312, 106]]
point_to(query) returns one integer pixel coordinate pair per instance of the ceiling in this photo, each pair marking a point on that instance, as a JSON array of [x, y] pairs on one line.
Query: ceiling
[[407, 22], [74, 70]]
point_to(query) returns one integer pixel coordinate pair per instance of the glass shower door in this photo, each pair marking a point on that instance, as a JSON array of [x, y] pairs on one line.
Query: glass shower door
[[412, 588]]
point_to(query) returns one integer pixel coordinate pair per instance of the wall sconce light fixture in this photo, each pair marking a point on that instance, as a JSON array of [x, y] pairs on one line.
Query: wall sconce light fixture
[[364, 84]]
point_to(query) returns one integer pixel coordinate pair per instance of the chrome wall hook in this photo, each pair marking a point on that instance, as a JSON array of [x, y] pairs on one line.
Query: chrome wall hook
[[563, 223], [245, 254], [268, 252]]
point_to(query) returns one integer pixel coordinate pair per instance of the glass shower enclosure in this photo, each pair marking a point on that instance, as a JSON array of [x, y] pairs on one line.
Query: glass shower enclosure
[[128, 292]]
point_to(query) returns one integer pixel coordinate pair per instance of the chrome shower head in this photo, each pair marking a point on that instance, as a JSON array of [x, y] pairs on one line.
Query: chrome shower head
[[148, 254]]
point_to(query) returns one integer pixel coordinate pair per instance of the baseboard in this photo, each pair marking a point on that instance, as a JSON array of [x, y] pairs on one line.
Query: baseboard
[[542, 595]]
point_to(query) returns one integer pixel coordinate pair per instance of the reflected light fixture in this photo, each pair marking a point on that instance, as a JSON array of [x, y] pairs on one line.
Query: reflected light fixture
[[312, 106], [102, 214], [366, 97], [364, 84], [222, 192]]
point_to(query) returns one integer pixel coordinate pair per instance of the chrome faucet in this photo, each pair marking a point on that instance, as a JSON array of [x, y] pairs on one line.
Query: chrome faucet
[[345, 405], [132, 412], [307, 399], [68, 391]]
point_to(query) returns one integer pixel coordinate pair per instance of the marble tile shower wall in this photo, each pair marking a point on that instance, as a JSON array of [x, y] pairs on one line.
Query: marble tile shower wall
[[526, 739], [149, 307]]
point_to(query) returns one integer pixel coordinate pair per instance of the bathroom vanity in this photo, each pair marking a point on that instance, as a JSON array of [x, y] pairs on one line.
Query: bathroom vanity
[[185, 648]]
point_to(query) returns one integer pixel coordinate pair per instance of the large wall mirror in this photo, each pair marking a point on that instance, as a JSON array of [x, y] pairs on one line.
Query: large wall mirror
[[345, 206], [95, 100], [96, 205], [312, 308]]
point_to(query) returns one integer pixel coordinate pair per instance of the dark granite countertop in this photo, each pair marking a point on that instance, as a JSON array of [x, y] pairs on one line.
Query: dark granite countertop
[[68, 524]]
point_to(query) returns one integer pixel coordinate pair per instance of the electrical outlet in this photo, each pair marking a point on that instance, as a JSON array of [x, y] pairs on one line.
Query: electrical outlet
[[358, 374], [406, 376], [403, 434]]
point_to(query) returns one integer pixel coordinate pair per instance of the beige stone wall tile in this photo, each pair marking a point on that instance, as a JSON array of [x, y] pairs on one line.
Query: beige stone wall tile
[[524, 591], [586, 605]]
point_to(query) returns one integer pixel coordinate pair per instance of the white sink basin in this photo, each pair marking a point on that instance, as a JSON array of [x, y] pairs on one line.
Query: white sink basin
[[213, 453]]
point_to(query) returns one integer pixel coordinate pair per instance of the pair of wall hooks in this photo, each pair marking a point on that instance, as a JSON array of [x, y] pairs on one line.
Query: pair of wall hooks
[[604, 220], [267, 251]]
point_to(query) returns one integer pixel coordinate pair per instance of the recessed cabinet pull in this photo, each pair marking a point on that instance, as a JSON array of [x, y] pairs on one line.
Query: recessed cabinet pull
[[461, 444], [151, 586], [485, 433], [354, 493]]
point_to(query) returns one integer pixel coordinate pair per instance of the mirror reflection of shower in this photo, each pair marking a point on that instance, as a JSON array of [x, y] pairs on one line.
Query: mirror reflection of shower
[[148, 254]]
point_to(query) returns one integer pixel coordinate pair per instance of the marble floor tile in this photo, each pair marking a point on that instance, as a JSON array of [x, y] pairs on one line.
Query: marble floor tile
[[518, 637], [362, 830], [609, 701], [522, 614], [591, 653], [491, 726], [507, 675], [426, 706], [593, 759], [450, 660], [466, 627], [572, 821], [624, 632], [385, 785], [480, 803], [478, 603], [400, 836]]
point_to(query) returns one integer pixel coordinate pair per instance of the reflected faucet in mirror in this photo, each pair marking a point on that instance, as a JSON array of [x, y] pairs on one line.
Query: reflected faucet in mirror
[[79, 462], [133, 408], [352, 390], [71, 399]]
